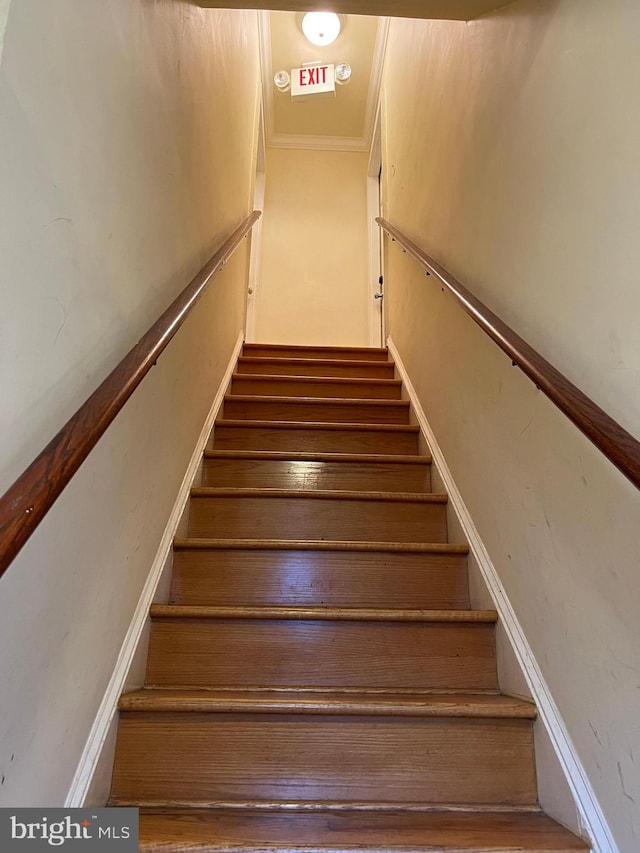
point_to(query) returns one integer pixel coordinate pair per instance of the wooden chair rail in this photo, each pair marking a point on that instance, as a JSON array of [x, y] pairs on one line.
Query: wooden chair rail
[[618, 445], [29, 499]]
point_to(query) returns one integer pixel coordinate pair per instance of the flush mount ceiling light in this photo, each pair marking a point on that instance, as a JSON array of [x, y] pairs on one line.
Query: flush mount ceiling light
[[321, 28]]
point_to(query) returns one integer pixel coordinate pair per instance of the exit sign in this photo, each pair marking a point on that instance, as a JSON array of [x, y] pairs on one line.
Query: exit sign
[[312, 80]]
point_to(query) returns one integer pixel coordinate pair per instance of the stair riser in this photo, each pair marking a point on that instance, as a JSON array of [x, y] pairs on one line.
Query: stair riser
[[314, 440], [294, 410], [313, 518], [283, 387], [225, 578], [345, 353], [296, 474], [292, 368], [293, 758], [281, 653]]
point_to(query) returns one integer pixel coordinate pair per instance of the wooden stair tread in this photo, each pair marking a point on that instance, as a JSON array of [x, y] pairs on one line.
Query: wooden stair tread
[[483, 705], [336, 690], [299, 456], [329, 362], [314, 436], [341, 614], [248, 347], [315, 425], [293, 383], [255, 572], [202, 646], [294, 757], [320, 545], [310, 409], [331, 380], [229, 831], [316, 474], [275, 365], [310, 805], [300, 513], [319, 494], [321, 401]]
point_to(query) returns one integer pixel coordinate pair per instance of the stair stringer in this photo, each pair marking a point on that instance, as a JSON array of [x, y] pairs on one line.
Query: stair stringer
[[92, 779], [515, 657]]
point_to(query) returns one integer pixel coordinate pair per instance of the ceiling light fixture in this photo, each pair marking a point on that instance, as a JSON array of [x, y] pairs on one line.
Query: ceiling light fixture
[[282, 81], [343, 73], [321, 28], [313, 78]]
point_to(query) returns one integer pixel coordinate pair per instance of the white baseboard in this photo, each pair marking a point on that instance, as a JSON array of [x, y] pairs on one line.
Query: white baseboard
[[109, 705], [593, 821]]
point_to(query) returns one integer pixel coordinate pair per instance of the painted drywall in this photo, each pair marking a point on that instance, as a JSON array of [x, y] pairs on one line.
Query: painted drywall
[[128, 154], [4, 16], [313, 268], [510, 154], [517, 670]]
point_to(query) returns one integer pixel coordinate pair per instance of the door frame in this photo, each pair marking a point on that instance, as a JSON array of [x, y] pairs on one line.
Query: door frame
[[255, 253], [375, 264]]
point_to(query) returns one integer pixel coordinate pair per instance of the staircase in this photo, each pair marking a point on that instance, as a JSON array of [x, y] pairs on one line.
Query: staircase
[[318, 681]]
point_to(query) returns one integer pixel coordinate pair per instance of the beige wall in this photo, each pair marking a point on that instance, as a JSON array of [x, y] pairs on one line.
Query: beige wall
[[511, 155], [4, 14], [313, 268], [128, 148]]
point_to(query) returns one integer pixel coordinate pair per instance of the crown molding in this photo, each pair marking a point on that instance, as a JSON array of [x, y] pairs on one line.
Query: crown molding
[[318, 143]]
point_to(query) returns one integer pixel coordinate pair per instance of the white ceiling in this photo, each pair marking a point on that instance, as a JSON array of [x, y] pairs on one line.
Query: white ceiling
[[344, 122]]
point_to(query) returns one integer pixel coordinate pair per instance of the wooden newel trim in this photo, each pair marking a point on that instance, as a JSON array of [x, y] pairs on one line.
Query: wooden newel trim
[[618, 445], [29, 499]]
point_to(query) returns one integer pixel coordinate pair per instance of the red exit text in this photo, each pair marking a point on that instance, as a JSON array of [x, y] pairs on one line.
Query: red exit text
[[313, 76]]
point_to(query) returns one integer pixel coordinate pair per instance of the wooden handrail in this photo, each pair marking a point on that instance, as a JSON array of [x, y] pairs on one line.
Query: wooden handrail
[[618, 445], [29, 499]]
